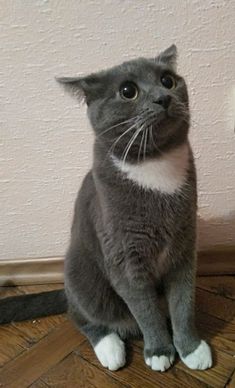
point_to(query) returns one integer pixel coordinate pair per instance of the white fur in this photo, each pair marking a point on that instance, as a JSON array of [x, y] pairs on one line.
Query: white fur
[[166, 173], [110, 351], [160, 363], [199, 359]]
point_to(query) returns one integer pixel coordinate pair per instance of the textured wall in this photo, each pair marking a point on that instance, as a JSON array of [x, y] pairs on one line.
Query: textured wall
[[45, 140]]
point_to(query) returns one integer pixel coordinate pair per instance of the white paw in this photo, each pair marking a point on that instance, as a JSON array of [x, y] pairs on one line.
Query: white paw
[[199, 359], [160, 363], [110, 351]]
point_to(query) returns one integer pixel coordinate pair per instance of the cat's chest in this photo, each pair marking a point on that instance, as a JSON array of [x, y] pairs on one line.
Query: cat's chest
[[166, 174]]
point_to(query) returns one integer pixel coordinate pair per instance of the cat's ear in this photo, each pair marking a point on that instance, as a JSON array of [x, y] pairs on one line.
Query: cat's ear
[[82, 88], [169, 57]]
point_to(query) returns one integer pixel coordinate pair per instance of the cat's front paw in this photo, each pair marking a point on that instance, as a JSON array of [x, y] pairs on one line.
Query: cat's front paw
[[160, 362], [200, 358]]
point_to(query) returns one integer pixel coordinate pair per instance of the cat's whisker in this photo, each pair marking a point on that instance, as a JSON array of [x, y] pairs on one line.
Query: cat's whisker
[[142, 128], [126, 150], [182, 111], [111, 149], [126, 147], [151, 134], [153, 141], [131, 143], [117, 125], [142, 139], [145, 142], [138, 117], [138, 121]]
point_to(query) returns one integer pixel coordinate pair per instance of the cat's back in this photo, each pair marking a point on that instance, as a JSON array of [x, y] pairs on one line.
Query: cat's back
[[85, 199], [87, 189]]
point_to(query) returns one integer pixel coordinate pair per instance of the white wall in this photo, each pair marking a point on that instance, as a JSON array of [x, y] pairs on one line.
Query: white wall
[[45, 140]]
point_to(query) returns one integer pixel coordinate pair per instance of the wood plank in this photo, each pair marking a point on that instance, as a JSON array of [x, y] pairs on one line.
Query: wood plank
[[221, 285], [41, 357], [219, 333], [215, 327], [74, 371], [231, 382], [138, 374], [34, 330], [218, 375], [39, 384], [17, 337], [215, 305], [12, 343]]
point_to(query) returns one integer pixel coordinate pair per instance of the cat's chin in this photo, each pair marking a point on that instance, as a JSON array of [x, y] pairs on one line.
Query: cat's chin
[[167, 129], [160, 117], [163, 125], [161, 136]]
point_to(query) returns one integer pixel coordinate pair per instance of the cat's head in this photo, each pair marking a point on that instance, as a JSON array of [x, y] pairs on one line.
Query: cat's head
[[138, 109]]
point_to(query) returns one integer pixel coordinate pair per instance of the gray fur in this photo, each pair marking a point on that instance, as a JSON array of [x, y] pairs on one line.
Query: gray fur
[[112, 270]]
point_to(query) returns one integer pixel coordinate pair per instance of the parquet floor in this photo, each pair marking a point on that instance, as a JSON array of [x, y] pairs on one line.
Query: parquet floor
[[50, 352]]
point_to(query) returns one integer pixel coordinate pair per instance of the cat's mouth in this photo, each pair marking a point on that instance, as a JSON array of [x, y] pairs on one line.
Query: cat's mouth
[[161, 118]]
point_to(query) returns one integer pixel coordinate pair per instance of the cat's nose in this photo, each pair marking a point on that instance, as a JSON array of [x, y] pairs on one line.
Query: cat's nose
[[164, 101]]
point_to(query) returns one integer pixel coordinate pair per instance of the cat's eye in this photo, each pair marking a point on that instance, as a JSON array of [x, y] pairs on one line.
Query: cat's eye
[[168, 81], [129, 91]]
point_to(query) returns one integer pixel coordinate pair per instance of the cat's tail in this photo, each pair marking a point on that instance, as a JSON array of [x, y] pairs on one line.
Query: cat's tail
[[31, 306]]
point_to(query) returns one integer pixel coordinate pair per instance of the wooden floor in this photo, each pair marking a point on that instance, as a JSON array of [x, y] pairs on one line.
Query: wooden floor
[[50, 352]]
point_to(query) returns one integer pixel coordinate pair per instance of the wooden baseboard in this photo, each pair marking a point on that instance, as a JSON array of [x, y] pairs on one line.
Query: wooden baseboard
[[51, 269], [217, 262], [31, 271]]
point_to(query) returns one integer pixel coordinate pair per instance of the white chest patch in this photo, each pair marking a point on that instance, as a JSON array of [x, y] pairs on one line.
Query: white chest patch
[[166, 173]]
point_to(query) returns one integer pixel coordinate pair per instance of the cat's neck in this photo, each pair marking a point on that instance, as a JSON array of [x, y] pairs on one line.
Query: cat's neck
[[166, 173]]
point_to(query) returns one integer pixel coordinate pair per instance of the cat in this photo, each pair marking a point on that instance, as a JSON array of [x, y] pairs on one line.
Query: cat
[[133, 234]]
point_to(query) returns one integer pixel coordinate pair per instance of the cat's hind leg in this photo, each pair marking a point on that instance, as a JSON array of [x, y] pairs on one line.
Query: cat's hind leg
[[97, 311], [107, 345], [109, 349]]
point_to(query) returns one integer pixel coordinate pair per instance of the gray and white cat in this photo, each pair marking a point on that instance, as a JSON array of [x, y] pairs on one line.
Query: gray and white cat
[[134, 228]]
